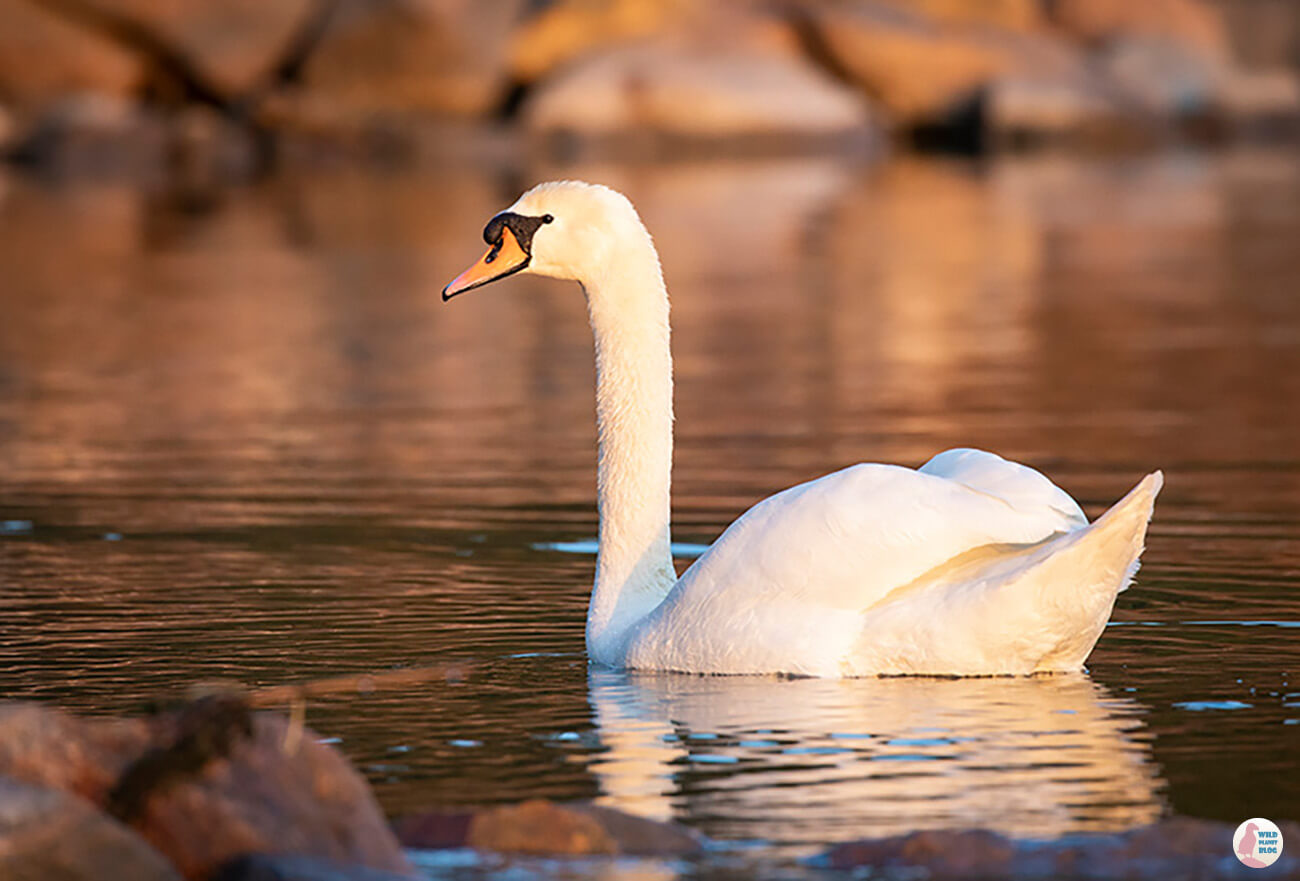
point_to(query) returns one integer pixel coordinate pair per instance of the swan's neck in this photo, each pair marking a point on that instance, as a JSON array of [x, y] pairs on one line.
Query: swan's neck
[[628, 308]]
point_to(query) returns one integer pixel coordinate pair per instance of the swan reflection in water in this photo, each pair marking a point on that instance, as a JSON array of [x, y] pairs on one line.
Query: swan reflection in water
[[802, 761]]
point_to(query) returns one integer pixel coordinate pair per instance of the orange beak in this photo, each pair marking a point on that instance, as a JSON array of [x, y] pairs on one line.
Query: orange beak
[[504, 258]]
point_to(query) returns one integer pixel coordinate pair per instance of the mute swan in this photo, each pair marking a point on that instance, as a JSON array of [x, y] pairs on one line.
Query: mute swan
[[969, 565]]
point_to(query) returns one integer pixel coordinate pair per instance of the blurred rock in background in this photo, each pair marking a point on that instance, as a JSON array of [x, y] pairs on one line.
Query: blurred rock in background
[[225, 87]]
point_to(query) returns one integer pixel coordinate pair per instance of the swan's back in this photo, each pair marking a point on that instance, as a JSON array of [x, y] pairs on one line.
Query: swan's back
[[796, 583]]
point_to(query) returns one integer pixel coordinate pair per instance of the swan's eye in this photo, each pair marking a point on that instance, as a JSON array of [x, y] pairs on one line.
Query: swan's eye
[[547, 218]]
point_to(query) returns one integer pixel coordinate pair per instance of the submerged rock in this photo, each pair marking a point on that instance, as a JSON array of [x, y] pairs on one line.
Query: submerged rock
[[47, 835], [277, 867], [543, 827], [206, 783], [1179, 847]]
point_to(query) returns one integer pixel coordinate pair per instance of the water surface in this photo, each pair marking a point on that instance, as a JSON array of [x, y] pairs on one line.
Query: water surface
[[242, 438]]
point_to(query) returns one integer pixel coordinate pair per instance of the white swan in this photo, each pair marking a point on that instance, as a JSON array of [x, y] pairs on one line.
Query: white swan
[[970, 565]]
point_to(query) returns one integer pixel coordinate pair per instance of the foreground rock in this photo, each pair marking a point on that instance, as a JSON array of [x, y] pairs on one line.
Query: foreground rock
[[47, 835], [542, 827], [1180, 847], [206, 784]]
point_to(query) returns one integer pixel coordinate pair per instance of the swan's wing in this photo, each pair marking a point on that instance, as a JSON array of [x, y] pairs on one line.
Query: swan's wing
[[847, 539], [841, 543], [1018, 485]]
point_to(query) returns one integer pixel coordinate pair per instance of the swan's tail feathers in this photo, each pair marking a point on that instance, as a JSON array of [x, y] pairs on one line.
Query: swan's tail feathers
[[1078, 581], [1125, 524], [1008, 609]]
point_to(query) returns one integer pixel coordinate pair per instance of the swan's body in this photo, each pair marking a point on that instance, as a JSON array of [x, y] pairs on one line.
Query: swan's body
[[970, 565]]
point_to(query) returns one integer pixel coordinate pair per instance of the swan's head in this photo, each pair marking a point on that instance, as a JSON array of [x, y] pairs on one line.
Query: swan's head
[[563, 229]]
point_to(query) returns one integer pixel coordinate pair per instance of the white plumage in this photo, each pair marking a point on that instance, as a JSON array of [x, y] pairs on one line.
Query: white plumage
[[969, 565]]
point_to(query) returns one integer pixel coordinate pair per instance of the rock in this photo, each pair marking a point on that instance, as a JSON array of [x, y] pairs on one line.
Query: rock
[[434, 830], [1174, 82], [942, 854], [542, 827], [8, 130], [44, 58], [637, 836], [277, 867], [1264, 35], [91, 135], [1164, 78], [232, 46], [919, 69], [1018, 111], [568, 29], [1021, 15], [278, 790], [1260, 96], [412, 56], [1179, 847], [206, 783], [51, 748], [1193, 23], [47, 835], [565, 31], [674, 87]]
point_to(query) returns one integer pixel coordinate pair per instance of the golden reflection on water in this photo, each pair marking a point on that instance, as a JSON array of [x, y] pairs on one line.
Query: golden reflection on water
[[807, 760], [314, 467]]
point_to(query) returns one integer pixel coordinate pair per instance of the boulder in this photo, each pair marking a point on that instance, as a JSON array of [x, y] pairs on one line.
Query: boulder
[[1173, 81], [1163, 78], [1021, 15], [1019, 110], [50, 748], [1265, 34], [940, 854], [1260, 96], [8, 129], [920, 69], [568, 29], [1192, 23], [680, 88], [230, 46], [543, 827], [385, 57], [44, 58], [1178, 847], [47, 835], [206, 783]]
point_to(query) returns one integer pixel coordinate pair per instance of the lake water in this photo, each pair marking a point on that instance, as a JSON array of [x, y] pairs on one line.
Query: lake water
[[242, 438]]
